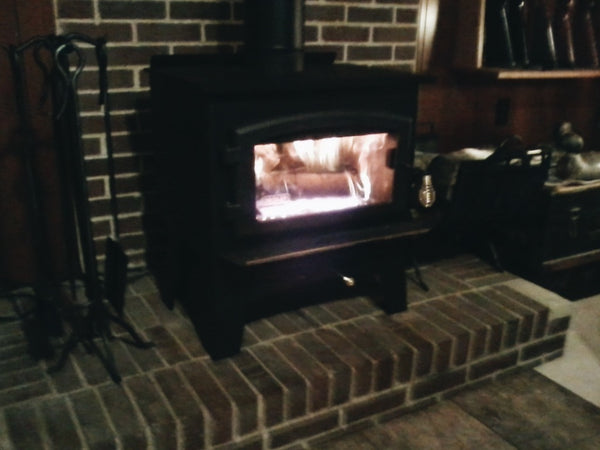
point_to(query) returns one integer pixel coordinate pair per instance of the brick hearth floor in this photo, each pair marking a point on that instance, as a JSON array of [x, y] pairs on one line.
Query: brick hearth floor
[[302, 376]]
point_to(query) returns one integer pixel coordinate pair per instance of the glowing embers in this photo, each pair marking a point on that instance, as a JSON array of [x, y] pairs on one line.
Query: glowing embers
[[321, 175]]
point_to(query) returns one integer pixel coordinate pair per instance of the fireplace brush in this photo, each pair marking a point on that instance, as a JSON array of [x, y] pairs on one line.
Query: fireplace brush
[[91, 322]]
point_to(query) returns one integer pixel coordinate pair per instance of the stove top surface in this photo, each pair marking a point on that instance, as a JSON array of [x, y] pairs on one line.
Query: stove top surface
[[230, 75]]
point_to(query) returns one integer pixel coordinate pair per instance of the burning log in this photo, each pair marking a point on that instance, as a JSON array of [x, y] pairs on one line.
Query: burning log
[[309, 184]]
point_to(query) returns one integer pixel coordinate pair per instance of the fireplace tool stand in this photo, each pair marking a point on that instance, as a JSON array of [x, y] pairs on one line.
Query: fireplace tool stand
[[89, 321]]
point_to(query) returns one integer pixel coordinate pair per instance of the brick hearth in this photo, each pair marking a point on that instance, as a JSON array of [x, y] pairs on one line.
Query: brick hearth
[[300, 375]]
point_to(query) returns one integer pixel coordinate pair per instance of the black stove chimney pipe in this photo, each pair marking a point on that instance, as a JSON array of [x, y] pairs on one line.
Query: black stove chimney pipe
[[274, 33]]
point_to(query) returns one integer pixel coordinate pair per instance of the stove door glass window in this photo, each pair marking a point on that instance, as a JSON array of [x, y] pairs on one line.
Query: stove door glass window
[[313, 176]]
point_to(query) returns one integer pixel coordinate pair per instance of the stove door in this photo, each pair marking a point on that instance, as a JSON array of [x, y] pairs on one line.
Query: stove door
[[327, 168]]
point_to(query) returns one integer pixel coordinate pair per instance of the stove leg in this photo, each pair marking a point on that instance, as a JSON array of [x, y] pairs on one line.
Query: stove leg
[[393, 289], [418, 275], [215, 302]]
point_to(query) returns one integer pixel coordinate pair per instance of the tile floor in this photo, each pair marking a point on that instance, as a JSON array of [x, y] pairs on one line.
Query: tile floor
[[579, 368]]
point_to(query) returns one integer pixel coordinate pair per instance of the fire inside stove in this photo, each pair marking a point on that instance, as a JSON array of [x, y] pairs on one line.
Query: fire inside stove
[[312, 176]]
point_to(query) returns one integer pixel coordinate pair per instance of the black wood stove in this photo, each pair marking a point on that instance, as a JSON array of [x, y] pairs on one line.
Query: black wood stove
[[285, 177]]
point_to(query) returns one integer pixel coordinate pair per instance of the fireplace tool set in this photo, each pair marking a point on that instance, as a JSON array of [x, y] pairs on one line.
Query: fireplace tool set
[[62, 60]]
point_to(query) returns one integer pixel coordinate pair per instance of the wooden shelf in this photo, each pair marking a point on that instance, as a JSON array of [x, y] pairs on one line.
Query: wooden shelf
[[492, 73], [572, 261], [469, 55]]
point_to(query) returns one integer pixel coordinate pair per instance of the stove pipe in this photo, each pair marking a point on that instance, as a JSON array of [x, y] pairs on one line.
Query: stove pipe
[[274, 33]]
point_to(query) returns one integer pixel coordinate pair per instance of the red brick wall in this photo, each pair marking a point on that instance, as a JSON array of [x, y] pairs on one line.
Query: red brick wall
[[374, 32]]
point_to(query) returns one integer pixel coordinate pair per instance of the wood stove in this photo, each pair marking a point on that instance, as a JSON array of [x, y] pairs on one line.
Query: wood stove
[[282, 180]]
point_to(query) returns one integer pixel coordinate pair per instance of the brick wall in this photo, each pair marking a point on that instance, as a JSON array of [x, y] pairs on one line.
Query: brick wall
[[373, 32]]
